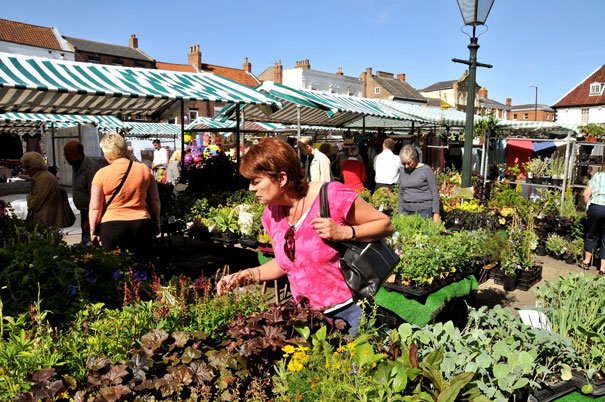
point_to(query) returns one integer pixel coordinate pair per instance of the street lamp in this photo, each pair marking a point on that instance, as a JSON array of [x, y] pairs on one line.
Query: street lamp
[[535, 103], [474, 12]]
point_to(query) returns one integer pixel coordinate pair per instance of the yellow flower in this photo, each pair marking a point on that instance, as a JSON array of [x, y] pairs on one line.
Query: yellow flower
[[295, 366], [327, 365], [350, 346], [340, 349], [502, 221], [288, 349]]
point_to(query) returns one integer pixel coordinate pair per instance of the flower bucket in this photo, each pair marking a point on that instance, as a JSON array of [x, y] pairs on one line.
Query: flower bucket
[[509, 282]]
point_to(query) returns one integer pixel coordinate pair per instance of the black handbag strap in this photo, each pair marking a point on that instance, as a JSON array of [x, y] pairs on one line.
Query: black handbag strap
[[324, 206], [116, 191]]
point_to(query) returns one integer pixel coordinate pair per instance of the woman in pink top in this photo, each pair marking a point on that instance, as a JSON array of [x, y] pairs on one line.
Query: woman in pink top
[[302, 241]]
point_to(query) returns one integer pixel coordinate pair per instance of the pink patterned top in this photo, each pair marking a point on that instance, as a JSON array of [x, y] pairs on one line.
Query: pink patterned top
[[315, 272]]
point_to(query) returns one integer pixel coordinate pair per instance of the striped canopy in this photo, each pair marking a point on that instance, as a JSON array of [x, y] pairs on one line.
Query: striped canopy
[[31, 84], [430, 114], [29, 122], [204, 123], [537, 125], [316, 108], [156, 130]]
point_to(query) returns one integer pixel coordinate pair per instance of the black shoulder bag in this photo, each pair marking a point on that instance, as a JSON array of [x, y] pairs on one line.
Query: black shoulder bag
[[365, 266], [115, 192]]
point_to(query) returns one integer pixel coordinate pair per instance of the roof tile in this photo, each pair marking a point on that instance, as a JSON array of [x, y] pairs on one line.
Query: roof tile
[[27, 34], [580, 95], [235, 74]]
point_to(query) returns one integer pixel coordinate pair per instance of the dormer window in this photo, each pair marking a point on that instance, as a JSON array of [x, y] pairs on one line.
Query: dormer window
[[596, 88]]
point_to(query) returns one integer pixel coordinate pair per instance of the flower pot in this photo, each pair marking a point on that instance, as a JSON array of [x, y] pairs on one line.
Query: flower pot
[[529, 179], [528, 278], [541, 250], [557, 182], [509, 282], [571, 260]]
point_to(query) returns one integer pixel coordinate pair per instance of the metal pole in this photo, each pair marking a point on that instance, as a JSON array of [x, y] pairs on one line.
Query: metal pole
[[237, 135], [182, 178], [535, 103], [52, 137], [470, 113]]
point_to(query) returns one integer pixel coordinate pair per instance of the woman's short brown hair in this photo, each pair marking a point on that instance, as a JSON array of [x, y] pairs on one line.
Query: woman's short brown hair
[[270, 157]]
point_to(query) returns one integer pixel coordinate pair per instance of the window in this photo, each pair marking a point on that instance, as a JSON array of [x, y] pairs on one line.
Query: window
[[173, 120], [525, 116], [94, 59], [193, 113], [514, 116], [547, 116], [376, 90], [585, 115], [138, 63], [117, 62], [595, 88]]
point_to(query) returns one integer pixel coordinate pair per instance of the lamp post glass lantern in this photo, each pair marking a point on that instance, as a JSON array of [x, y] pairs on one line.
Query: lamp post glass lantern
[[474, 12], [535, 103]]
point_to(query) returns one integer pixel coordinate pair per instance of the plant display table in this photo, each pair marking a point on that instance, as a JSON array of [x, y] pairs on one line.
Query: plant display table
[[420, 311]]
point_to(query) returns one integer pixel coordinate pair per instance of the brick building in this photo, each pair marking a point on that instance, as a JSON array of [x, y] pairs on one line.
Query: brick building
[[33, 40], [384, 85], [89, 51], [195, 64]]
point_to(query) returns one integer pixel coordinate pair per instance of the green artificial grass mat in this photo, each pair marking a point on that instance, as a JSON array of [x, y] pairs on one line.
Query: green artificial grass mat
[[579, 397], [421, 313]]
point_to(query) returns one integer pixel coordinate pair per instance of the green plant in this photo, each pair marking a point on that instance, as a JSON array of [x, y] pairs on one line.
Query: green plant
[[568, 208], [536, 167], [592, 130], [514, 170], [557, 166], [507, 356], [224, 219], [575, 306], [556, 244], [385, 200]]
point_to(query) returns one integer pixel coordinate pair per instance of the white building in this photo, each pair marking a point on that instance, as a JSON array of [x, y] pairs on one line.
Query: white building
[[33, 40]]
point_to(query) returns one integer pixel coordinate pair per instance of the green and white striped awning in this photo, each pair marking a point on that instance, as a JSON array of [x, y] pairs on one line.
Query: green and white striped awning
[[31, 84], [537, 125], [315, 108], [150, 129], [204, 123], [28, 122]]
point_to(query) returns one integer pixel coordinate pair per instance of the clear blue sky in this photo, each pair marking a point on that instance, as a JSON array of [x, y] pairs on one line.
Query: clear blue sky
[[553, 44]]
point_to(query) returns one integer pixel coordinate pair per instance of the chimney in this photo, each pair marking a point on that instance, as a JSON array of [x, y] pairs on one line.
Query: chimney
[[305, 64], [482, 92], [383, 74], [247, 65], [339, 72], [133, 42], [278, 72], [509, 102], [401, 77], [195, 57]]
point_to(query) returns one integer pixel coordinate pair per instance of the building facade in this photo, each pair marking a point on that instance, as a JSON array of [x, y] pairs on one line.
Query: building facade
[[453, 92], [33, 40], [195, 64], [89, 51], [384, 85], [585, 103]]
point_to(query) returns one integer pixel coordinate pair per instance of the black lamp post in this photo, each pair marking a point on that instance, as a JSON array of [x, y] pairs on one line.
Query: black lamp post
[[474, 12], [535, 103]]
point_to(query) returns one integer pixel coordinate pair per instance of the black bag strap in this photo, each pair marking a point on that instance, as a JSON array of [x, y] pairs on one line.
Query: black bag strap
[[324, 206], [116, 191]]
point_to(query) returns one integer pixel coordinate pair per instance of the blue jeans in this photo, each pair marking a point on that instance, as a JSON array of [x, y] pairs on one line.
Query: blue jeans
[[351, 314]]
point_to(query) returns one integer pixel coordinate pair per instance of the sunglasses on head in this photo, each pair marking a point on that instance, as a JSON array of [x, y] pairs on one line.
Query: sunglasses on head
[[289, 245]]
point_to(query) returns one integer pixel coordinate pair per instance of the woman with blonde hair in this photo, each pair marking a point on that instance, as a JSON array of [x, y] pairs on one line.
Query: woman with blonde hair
[[44, 201], [124, 201], [173, 171]]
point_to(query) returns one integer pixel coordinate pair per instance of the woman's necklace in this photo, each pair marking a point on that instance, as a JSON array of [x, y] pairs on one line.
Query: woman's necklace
[[294, 219]]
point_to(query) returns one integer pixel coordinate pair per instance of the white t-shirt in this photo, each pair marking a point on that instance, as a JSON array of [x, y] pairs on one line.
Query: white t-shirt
[[387, 166], [160, 157]]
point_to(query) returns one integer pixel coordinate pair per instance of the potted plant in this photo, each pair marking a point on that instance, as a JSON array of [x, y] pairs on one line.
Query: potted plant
[[575, 251], [556, 245], [225, 222], [557, 169], [514, 172], [535, 169]]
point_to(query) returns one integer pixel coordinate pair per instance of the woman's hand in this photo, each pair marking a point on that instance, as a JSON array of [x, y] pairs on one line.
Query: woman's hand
[[327, 229], [95, 240], [242, 278]]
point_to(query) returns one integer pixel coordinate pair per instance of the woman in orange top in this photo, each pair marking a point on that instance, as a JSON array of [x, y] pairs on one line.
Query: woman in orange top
[[133, 217]]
